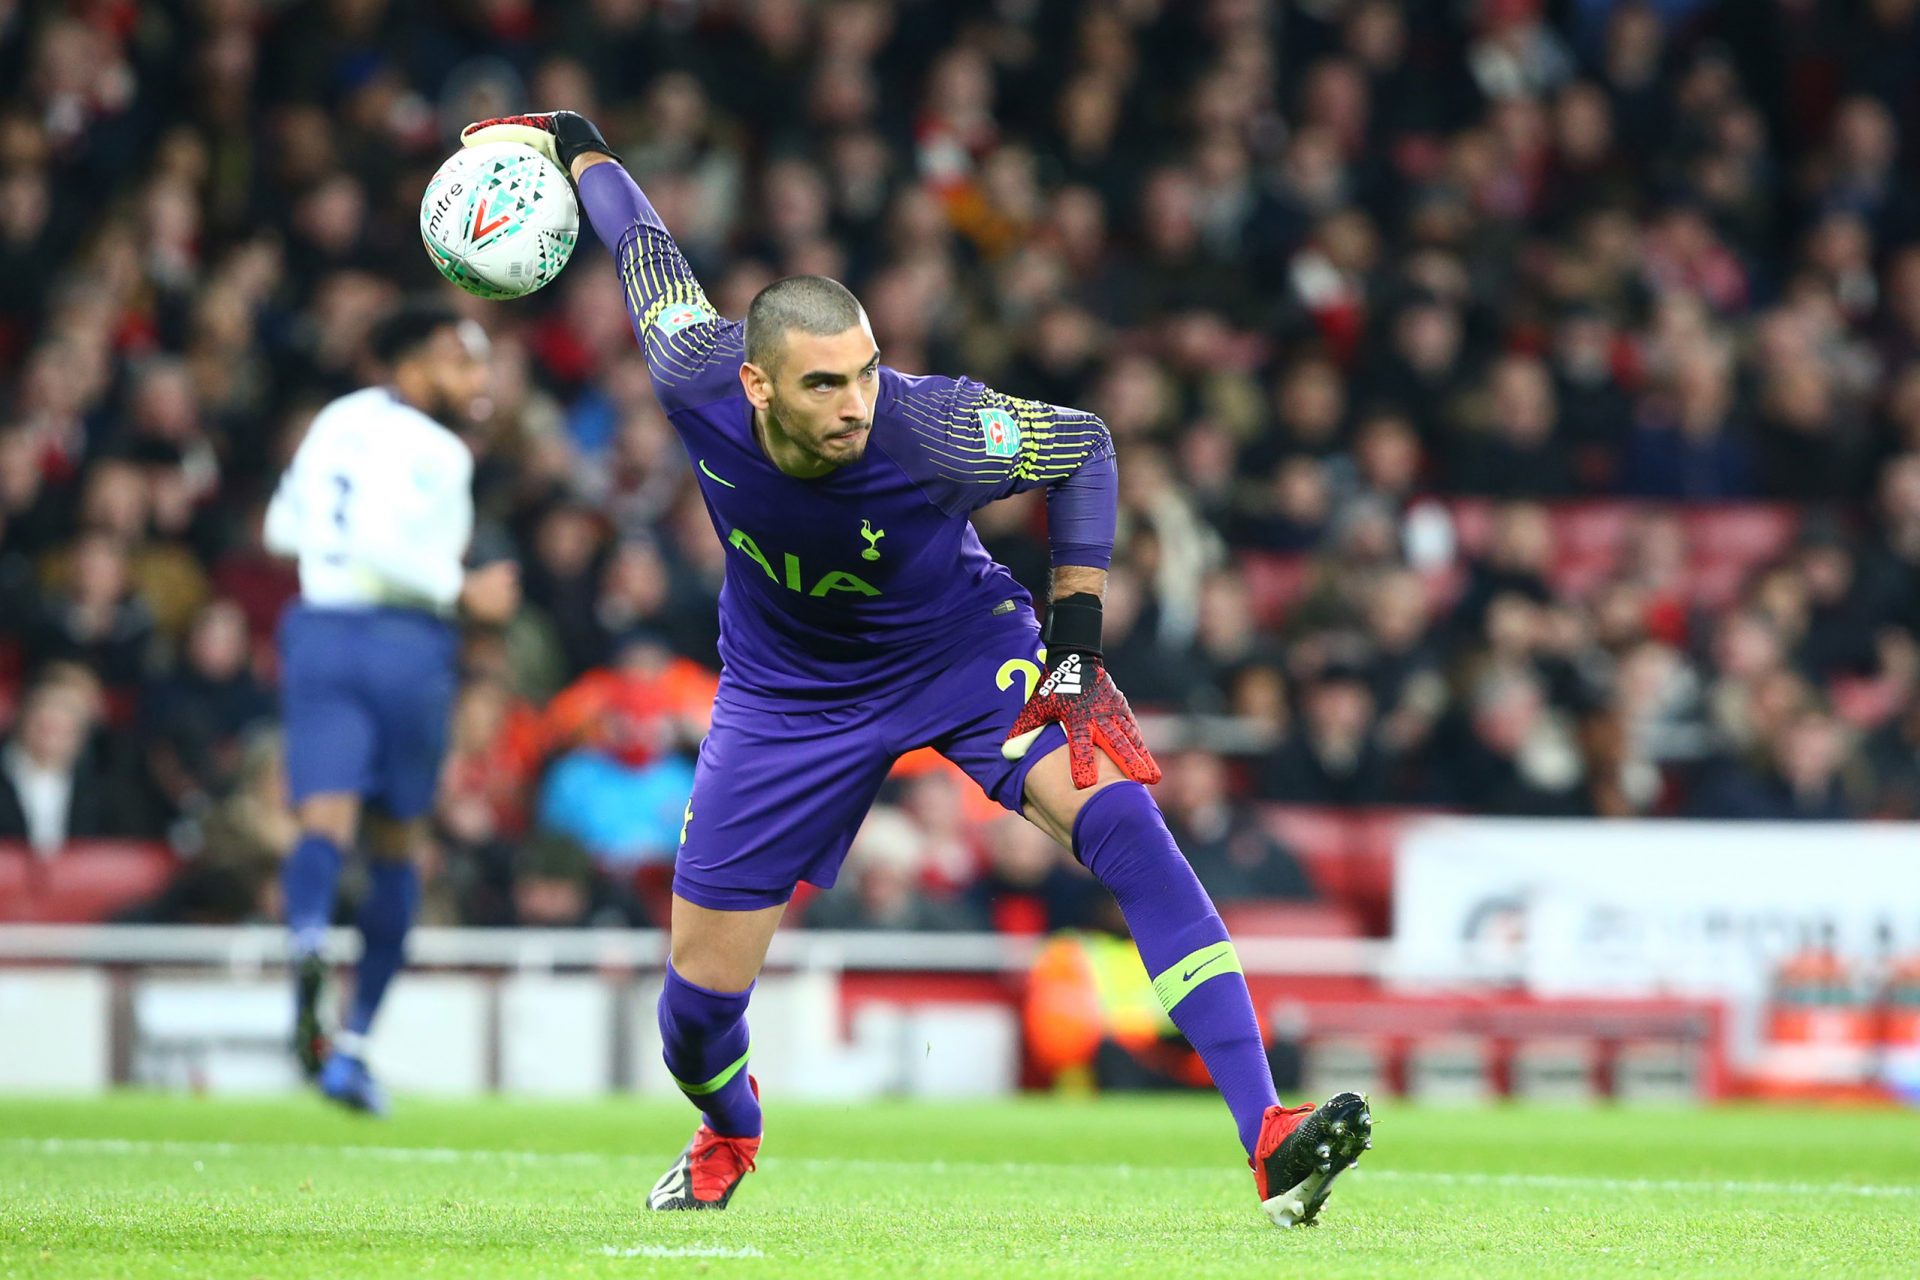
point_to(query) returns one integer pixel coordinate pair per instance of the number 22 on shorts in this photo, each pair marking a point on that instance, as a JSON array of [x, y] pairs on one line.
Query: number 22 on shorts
[[1027, 669]]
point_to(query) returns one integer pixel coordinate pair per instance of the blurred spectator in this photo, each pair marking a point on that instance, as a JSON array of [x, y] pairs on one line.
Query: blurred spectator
[[1620, 781], [493, 751], [1803, 778], [1691, 442], [1333, 755], [1150, 672], [1030, 885], [196, 719], [1894, 756], [646, 703], [950, 843], [556, 886], [1518, 451], [96, 617], [1226, 640], [880, 883], [1516, 563], [1404, 667], [1595, 410], [1842, 618], [49, 791], [562, 580], [233, 875], [1233, 855], [620, 778], [1093, 1020], [1511, 755]]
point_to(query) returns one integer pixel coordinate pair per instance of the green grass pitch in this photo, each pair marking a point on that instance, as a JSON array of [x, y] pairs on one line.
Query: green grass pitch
[[149, 1186]]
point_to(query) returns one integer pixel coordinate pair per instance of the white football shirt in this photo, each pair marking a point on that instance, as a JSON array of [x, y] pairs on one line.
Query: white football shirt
[[377, 506]]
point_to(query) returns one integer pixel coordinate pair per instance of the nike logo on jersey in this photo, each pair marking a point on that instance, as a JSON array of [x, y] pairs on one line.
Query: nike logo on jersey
[[479, 216], [1188, 975], [716, 479], [1068, 679]]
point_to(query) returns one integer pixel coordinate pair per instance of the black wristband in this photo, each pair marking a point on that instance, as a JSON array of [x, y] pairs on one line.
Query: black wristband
[[1073, 625], [574, 135]]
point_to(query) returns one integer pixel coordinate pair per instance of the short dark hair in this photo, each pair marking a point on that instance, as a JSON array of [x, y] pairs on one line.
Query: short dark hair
[[408, 327], [812, 304]]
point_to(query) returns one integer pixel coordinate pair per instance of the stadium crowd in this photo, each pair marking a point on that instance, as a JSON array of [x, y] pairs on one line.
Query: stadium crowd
[[1382, 303]]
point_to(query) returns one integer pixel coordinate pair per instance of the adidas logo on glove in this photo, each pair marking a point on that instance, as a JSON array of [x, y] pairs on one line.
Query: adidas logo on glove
[[1067, 679]]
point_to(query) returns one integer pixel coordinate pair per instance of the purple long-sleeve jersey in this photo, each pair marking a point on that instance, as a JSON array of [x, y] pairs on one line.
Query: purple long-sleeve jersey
[[836, 585]]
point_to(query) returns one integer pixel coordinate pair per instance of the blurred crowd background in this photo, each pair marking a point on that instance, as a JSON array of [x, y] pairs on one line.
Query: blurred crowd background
[[1518, 404]]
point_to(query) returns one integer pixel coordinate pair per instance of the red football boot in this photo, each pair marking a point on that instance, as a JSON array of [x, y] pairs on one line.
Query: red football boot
[[705, 1175], [1302, 1150]]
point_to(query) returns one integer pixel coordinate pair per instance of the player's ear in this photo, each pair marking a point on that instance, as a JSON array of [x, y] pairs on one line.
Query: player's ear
[[758, 384]]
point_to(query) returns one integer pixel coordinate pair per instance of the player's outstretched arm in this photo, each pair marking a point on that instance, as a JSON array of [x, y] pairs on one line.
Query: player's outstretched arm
[[971, 445], [677, 327]]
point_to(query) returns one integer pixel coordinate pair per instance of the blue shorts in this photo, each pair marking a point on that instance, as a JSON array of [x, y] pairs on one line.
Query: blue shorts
[[779, 795], [365, 695]]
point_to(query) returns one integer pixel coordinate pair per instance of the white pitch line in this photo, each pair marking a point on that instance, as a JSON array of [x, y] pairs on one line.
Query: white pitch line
[[596, 1159]]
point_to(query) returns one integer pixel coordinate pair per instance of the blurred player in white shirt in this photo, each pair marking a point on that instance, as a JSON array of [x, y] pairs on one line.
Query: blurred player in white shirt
[[377, 506]]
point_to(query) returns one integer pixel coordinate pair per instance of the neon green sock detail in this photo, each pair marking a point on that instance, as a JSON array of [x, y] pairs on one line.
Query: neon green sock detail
[[1196, 967], [702, 1090]]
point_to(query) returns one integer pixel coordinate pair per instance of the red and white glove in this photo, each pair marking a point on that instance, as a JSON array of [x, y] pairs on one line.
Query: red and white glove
[[1082, 699], [560, 136]]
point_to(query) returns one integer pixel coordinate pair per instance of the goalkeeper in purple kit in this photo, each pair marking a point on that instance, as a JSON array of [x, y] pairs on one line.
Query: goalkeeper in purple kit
[[860, 619]]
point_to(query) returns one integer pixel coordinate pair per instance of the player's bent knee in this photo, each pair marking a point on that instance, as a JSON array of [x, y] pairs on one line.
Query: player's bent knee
[[1053, 802], [335, 815], [393, 840], [720, 950]]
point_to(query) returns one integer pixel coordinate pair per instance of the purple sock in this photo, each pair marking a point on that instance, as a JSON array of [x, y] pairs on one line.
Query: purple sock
[[1124, 841], [705, 1037], [393, 895]]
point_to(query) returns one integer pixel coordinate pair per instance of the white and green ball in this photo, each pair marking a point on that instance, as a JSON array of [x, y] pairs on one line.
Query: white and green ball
[[499, 220]]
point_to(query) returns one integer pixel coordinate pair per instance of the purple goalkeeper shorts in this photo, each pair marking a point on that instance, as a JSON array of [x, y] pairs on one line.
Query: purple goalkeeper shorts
[[778, 795]]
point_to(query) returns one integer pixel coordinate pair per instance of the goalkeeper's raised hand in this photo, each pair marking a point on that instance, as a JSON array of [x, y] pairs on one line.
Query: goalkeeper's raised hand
[[560, 136], [1078, 694]]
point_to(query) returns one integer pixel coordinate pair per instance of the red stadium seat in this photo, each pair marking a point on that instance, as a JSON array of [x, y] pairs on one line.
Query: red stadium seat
[[652, 887], [1750, 533], [1276, 582], [1376, 837], [92, 881], [1443, 587], [1589, 539], [17, 874], [1715, 584], [1472, 525], [1579, 577], [12, 678], [1319, 838], [1727, 545], [1592, 530], [1865, 702]]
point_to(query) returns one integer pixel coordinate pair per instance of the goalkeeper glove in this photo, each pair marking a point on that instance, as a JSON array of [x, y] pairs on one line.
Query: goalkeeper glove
[[560, 136], [1079, 695]]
